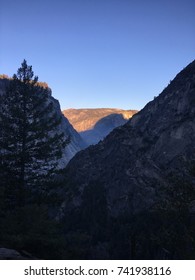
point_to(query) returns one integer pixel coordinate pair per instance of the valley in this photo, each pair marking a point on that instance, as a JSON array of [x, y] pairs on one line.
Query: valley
[[129, 196]]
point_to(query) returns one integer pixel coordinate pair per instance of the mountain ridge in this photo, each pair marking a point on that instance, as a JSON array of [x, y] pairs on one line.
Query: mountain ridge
[[94, 114], [95, 124], [137, 153], [132, 195]]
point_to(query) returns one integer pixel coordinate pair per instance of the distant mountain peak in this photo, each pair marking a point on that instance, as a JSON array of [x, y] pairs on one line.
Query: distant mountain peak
[[94, 124]]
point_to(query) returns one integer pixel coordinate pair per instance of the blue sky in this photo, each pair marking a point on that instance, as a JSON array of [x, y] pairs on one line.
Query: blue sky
[[99, 53]]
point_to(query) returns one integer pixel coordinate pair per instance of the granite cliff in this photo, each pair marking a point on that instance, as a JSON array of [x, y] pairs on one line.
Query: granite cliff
[[95, 124], [138, 183], [135, 159]]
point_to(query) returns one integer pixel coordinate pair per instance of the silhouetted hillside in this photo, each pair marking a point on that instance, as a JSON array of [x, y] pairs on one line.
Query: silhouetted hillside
[[138, 184]]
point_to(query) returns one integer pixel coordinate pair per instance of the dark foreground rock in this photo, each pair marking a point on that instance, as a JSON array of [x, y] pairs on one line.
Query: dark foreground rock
[[10, 254]]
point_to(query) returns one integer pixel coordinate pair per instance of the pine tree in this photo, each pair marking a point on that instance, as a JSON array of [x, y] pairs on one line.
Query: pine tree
[[30, 142]]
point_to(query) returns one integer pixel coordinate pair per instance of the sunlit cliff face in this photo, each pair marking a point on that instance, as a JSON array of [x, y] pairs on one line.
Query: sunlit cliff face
[[85, 119]]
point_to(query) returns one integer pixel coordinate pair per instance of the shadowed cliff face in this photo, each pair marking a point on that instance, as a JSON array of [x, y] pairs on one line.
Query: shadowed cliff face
[[76, 142], [94, 124], [135, 162]]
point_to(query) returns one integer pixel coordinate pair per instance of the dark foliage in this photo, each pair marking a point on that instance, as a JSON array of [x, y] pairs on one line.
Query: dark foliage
[[30, 143], [30, 147]]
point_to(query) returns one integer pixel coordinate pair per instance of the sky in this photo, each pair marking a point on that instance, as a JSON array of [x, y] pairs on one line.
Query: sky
[[99, 53]]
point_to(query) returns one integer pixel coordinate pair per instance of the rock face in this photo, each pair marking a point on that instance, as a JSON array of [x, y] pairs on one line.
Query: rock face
[[132, 195], [95, 124], [135, 160], [10, 254], [76, 142]]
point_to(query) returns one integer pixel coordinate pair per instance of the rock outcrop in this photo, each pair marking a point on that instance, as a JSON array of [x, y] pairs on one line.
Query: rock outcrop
[[10, 254], [95, 124]]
